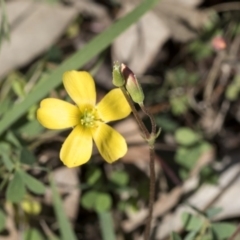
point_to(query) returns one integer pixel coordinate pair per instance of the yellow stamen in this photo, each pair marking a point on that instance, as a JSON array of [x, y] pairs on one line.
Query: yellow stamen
[[88, 117]]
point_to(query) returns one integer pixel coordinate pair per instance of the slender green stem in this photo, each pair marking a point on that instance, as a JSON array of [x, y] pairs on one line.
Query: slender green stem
[[135, 113], [151, 193], [153, 123], [203, 230]]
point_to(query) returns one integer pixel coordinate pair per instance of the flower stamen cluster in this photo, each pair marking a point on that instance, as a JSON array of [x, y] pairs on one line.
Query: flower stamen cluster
[[89, 117]]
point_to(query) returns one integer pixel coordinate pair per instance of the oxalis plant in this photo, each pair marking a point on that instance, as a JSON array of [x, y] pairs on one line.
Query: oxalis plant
[[125, 79], [89, 121]]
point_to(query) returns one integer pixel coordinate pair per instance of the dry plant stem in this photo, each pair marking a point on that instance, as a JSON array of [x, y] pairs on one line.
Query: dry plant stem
[[234, 178], [223, 190], [212, 76], [151, 194], [225, 7], [170, 173]]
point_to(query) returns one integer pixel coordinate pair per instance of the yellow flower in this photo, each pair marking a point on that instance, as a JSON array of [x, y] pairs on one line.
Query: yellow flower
[[87, 119]]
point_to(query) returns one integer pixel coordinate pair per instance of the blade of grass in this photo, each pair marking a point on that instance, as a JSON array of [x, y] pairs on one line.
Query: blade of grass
[[95, 46], [106, 225], [64, 224], [4, 26]]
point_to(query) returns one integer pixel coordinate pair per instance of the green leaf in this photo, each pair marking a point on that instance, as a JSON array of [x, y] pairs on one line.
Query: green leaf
[[66, 230], [78, 60], [120, 178], [234, 28], [200, 50], [208, 175], [103, 202], [5, 152], [93, 175], [54, 54], [53, 237], [166, 123], [7, 162], [16, 189], [192, 222], [88, 199], [2, 220], [223, 230], [30, 129], [31, 116], [122, 206], [106, 225], [237, 81], [5, 148], [179, 104], [32, 183], [10, 137], [181, 77], [27, 157], [188, 156], [232, 92], [186, 136], [32, 233], [208, 236], [18, 87], [5, 105], [175, 236], [204, 146], [192, 78], [191, 236], [204, 53], [213, 211], [183, 173]]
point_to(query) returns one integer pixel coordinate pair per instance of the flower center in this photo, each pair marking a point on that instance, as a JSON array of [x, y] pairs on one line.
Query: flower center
[[89, 117]]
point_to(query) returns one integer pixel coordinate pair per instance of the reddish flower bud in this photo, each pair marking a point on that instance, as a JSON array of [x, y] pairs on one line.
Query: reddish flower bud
[[132, 85], [219, 43]]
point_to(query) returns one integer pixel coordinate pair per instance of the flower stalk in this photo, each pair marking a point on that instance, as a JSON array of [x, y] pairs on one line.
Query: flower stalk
[[133, 93]]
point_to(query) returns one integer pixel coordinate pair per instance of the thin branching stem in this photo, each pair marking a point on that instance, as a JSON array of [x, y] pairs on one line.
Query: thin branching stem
[[147, 137], [152, 173], [153, 123]]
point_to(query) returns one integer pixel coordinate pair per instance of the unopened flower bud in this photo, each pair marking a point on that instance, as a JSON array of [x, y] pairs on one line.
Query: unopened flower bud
[[118, 79], [132, 85], [218, 43]]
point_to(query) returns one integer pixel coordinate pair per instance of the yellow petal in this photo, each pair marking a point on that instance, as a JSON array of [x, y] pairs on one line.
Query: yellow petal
[[77, 148], [57, 114], [110, 143], [113, 106], [80, 87]]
